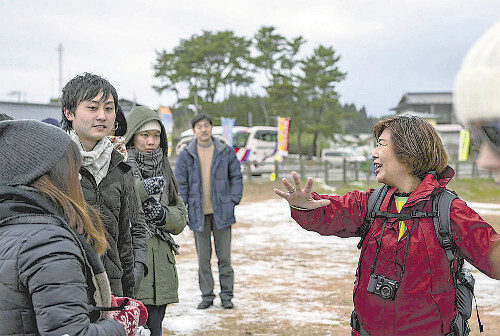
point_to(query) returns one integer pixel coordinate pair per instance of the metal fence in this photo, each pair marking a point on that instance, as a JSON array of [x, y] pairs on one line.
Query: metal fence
[[350, 171]]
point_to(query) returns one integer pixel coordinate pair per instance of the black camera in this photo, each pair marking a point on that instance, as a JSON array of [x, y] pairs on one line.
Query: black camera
[[384, 287]]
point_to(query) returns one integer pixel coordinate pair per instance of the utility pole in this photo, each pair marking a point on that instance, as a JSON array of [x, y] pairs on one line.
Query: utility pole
[[17, 93], [60, 50]]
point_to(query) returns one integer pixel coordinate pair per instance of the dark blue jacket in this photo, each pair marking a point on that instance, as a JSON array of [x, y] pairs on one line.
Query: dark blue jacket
[[226, 184]]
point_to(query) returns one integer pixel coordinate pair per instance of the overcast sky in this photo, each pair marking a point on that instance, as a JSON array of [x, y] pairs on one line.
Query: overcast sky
[[387, 48]]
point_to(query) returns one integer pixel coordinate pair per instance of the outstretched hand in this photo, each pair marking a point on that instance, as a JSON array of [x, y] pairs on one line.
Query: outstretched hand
[[299, 197]]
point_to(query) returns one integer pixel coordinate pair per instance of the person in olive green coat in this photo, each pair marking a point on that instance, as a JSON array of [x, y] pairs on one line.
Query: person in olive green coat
[[163, 207]]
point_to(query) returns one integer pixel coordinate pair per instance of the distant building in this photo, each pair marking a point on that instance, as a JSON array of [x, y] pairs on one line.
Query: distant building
[[31, 110], [51, 110], [437, 109], [429, 117], [127, 105], [438, 106]]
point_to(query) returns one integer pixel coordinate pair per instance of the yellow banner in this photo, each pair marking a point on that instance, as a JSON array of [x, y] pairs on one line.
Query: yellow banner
[[283, 129], [463, 147]]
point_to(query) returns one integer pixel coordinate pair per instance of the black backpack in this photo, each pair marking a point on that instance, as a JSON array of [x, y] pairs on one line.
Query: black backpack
[[440, 214]]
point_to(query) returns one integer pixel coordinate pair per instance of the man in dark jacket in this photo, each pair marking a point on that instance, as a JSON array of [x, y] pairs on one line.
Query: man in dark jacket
[[88, 114], [210, 184]]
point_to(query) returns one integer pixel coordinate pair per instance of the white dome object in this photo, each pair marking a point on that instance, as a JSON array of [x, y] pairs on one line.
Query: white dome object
[[477, 84]]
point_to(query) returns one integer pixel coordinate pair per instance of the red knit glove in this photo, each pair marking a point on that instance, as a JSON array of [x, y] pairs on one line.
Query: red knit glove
[[133, 316]]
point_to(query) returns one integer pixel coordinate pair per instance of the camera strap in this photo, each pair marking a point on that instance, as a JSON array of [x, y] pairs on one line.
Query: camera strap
[[379, 246]]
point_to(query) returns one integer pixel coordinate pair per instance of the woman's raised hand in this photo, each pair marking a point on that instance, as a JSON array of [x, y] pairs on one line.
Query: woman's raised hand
[[299, 197]]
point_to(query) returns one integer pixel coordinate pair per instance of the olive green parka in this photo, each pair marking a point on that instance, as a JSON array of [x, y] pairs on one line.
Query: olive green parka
[[160, 286]]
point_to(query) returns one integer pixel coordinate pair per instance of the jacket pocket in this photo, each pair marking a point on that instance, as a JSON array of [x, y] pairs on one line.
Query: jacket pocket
[[170, 256], [227, 205]]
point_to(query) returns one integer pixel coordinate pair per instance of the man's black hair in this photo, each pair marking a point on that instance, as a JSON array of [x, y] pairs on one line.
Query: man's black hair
[[81, 88], [200, 117]]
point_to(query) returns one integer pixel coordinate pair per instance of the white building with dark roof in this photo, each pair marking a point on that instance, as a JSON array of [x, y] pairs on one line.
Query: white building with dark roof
[[437, 104]]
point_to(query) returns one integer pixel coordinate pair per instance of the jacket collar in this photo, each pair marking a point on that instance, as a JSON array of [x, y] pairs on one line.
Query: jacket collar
[[431, 184], [117, 160], [219, 144], [20, 200]]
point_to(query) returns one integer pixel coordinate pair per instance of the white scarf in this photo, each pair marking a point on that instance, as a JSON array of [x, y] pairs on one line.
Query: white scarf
[[97, 160]]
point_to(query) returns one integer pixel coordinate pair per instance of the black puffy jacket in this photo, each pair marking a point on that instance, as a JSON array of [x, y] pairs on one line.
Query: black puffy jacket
[[112, 199], [45, 282]]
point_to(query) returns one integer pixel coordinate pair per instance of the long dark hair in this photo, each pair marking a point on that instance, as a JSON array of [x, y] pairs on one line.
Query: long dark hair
[[62, 185], [120, 122]]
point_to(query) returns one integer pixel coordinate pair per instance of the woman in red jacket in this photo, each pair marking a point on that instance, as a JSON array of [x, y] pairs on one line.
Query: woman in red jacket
[[411, 160]]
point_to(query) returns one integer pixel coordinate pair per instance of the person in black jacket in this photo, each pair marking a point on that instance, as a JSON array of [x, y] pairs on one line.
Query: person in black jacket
[[88, 113], [51, 279]]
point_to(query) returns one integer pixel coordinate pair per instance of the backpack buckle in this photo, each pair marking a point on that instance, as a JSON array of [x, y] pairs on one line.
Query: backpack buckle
[[446, 243]]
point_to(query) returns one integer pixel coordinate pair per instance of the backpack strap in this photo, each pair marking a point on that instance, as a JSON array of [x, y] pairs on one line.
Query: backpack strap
[[442, 226], [374, 203]]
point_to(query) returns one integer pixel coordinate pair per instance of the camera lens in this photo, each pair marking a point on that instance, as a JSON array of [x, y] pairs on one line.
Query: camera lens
[[386, 292]]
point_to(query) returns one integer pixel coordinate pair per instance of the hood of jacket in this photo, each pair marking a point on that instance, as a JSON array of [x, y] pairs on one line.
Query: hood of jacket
[[20, 200], [140, 116]]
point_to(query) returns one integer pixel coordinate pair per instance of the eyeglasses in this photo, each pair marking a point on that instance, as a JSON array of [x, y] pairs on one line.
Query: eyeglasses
[[489, 132]]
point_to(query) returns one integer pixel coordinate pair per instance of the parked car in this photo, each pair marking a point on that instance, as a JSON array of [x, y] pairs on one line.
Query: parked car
[[336, 156]]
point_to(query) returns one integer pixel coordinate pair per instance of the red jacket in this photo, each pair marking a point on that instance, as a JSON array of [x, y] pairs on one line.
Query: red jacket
[[424, 301]]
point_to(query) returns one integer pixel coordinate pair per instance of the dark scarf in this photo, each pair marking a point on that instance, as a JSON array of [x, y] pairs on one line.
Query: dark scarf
[[147, 164]]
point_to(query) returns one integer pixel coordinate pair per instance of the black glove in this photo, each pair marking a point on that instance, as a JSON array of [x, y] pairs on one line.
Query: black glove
[[138, 276], [153, 211], [154, 185]]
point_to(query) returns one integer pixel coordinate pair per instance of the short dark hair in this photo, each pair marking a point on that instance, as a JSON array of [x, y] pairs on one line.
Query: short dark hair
[[81, 88], [199, 117], [416, 143]]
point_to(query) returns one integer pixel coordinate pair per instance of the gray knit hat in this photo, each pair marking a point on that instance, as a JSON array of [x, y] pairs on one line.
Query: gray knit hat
[[29, 149]]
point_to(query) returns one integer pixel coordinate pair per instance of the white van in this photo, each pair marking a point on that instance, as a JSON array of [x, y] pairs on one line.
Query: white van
[[255, 147], [336, 156]]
